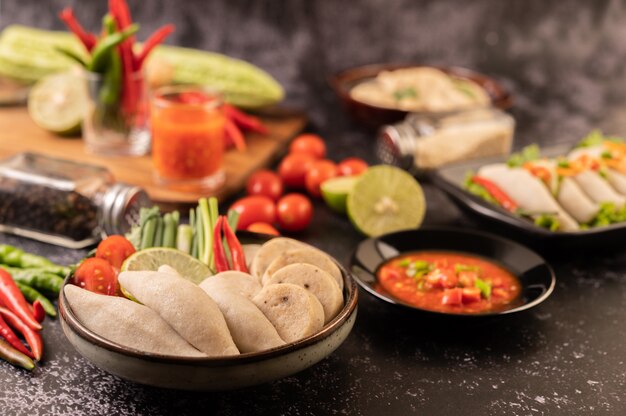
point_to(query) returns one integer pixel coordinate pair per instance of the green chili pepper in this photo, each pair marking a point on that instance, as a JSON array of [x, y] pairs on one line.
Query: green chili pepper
[[10, 354], [32, 295], [102, 51], [37, 278], [13, 256]]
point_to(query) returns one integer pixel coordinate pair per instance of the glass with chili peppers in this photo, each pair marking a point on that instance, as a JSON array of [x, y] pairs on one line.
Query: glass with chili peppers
[[188, 137]]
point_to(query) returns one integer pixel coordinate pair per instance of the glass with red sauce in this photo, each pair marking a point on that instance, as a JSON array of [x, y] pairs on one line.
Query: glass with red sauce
[[188, 137], [449, 282]]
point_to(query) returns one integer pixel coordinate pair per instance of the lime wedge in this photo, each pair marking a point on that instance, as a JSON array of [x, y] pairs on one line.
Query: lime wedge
[[152, 258], [57, 103], [386, 199], [335, 192]]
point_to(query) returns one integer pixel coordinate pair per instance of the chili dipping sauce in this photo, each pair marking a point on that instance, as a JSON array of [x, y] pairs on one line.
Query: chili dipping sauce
[[449, 282]]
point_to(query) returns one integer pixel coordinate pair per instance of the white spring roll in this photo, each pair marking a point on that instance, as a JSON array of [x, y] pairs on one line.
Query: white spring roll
[[598, 188], [569, 195], [614, 187], [528, 192]]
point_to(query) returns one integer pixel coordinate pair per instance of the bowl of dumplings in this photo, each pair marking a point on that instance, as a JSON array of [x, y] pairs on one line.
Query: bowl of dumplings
[[227, 331]]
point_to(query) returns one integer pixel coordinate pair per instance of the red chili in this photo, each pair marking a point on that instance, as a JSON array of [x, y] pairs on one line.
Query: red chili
[[7, 333], [88, 39], [153, 41], [38, 311], [233, 132], [236, 250], [498, 194], [33, 338], [221, 262], [11, 296], [245, 121]]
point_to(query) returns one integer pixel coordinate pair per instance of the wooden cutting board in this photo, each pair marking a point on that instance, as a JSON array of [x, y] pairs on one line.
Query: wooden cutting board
[[18, 133]]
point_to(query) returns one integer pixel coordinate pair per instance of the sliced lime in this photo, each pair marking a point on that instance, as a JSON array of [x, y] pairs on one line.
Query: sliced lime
[[335, 192], [385, 199], [57, 103], [152, 258]]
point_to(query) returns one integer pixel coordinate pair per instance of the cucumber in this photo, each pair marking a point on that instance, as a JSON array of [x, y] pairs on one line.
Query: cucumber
[[28, 54], [243, 84]]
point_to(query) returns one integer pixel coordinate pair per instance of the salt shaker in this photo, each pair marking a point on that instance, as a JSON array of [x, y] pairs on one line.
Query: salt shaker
[[423, 142], [63, 202]]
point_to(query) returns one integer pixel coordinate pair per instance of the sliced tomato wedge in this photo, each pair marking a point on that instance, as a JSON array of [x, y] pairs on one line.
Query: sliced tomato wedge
[[452, 296], [96, 275], [115, 249], [470, 295]]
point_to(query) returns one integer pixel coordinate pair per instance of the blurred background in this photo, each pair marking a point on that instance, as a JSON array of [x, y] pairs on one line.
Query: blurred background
[[563, 60]]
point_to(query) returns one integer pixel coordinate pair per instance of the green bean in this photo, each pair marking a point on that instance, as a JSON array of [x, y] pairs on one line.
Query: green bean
[[16, 257], [169, 231], [32, 295], [158, 234], [148, 232], [184, 239], [200, 232], [194, 237]]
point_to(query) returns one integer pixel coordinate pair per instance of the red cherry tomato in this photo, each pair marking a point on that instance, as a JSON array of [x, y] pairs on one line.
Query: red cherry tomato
[[310, 144], [352, 166], [293, 169], [96, 275], [294, 212], [115, 249], [256, 208], [263, 228], [321, 171], [265, 182]]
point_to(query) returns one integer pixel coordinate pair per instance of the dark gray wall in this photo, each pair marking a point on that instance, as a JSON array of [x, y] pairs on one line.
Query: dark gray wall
[[564, 60]]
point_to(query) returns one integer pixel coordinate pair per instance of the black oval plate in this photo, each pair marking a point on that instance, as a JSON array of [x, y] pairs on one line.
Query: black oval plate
[[535, 275]]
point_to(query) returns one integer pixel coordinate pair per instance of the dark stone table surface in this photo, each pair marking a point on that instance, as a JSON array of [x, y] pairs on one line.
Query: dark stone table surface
[[563, 61]]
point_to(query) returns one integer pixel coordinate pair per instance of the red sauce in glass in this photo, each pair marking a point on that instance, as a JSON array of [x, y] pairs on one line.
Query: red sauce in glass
[[449, 282]]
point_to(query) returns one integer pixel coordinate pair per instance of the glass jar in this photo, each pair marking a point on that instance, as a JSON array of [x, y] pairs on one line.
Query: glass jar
[[116, 121], [423, 142], [188, 137], [64, 203]]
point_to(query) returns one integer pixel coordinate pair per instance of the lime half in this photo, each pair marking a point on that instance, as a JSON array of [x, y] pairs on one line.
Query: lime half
[[152, 258], [335, 192], [57, 103], [386, 199]]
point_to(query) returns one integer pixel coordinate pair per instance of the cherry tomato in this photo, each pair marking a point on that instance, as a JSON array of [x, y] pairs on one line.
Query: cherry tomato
[[263, 228], [294, 212], [310, 144], [320, 171], [265, 182], [96, 275], [115, 249], [293, 169], [352, 166], [255, 208]]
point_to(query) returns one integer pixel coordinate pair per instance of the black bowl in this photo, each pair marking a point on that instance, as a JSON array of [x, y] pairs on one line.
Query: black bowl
[[535, 275]]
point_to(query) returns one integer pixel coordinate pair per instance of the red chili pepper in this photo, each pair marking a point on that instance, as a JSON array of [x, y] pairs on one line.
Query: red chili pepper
[[153, 41], [221, 262], [88, 39], [11, 296], [7, 333], [245, 121], [236, 250], [33, 338], [234, 134], [38, 311], [498, 194]]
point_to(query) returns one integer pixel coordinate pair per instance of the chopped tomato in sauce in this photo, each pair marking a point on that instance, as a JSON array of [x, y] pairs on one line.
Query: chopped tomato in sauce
[[449, 282]]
